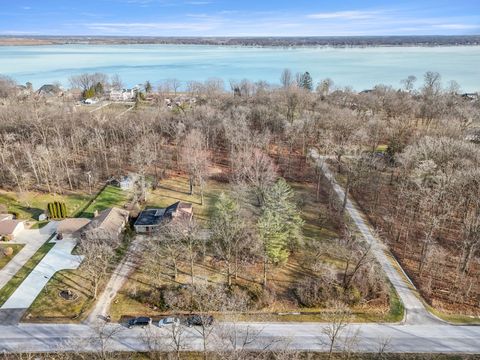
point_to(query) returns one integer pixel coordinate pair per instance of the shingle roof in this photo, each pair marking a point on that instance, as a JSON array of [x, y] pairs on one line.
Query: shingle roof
[[153, 217], [6, 217], [150, 217], [7, 227], [70, 226], [111, 220]]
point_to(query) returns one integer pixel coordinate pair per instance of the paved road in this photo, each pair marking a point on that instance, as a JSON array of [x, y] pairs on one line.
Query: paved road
[[119, 277], [33, 240], [299, 336], [58, 258], [416, 313]]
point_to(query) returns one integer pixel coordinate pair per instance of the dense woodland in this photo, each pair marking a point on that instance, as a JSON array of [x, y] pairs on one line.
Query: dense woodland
[[410, 157]]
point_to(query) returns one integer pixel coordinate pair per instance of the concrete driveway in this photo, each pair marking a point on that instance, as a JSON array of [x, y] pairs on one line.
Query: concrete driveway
[[58, 258], [33, 240], [415, 311]]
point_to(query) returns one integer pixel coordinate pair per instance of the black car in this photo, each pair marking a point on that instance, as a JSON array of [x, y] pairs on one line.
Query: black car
[[139, 321], [199, 320]]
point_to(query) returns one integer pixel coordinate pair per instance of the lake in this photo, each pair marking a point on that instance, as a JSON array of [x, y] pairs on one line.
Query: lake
[[360, 68]]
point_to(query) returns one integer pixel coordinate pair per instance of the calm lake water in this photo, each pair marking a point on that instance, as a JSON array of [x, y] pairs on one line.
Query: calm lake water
[[360, 68]]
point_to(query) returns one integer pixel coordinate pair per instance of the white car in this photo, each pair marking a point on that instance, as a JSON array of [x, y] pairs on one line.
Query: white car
[[169, 321]]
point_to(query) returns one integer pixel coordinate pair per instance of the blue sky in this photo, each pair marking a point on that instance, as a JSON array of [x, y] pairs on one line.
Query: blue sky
[[239, 17]]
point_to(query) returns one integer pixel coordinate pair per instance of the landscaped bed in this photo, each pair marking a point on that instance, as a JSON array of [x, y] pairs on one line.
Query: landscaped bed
[[5, 259]]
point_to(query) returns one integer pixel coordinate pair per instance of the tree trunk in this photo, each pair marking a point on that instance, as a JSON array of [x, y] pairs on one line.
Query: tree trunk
[[229, 274], [345, 197], [191, 270], [265, 264], [175, 270], [319, 178]]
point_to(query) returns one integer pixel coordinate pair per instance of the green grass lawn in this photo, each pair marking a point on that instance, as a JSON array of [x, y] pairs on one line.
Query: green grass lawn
[[22, 274], [176, 189], [111, 196], [30, 205], [50, 306], [4, 260]]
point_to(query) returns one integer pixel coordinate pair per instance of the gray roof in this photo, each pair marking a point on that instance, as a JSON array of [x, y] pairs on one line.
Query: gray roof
[[154, 217], [150, 217], [49, 89]]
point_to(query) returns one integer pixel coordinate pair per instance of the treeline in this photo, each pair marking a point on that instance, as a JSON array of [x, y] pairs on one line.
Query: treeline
[[339, 41]]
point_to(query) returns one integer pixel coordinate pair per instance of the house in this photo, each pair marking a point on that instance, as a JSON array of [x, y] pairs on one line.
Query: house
[[110, 222], [121, 95], [73, 227], [470, 96], [150, 220], [10, 228], [6, 217], [49, 90]]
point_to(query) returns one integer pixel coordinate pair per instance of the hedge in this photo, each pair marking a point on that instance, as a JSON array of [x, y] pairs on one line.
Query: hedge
[[57, 210]]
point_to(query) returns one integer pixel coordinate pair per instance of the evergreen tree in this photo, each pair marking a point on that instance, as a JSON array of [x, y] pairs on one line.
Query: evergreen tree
[[306, 81], [99, 89], [148, 87], [280, 225]]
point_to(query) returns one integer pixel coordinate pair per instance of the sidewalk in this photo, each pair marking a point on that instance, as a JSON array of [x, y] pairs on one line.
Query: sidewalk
[[33, 240]]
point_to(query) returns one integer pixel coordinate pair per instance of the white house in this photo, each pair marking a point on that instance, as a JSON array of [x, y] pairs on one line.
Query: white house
[[6, 217], [122, 95], [11, 228]]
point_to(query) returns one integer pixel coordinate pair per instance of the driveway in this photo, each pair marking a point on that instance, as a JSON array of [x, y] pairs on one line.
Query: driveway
[[120, 275], [33, 240], [416, 313], [58, 258]]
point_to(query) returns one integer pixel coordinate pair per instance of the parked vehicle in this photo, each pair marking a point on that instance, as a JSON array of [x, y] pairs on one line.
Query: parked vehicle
[[198, 320], [139, 322], [169, 321]]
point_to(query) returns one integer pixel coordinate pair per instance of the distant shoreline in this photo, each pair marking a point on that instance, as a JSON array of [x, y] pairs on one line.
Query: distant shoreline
[[337, 42]]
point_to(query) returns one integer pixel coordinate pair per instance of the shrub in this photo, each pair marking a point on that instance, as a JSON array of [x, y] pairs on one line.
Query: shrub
[[8, 251], [315, 292], [7, 238], [57, 210], [261, 298]]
